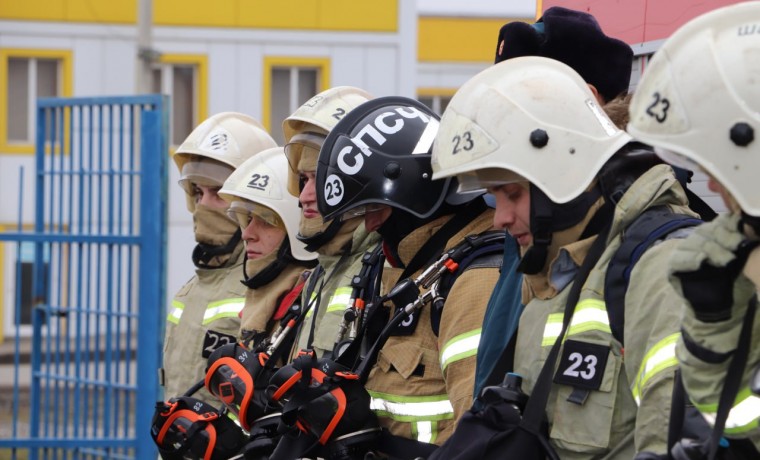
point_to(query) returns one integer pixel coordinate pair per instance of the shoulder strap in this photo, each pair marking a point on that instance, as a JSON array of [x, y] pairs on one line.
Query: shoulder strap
[[489, 255], [435, 245], [733, 378], [535, 409], [652, 225]]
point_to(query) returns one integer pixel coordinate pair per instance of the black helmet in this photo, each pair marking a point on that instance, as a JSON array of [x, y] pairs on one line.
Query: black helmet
[[380, 154]]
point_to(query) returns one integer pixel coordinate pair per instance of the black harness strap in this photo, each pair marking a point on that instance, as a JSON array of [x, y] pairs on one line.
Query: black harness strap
[[652, 225], [433, 247], [733, 377]]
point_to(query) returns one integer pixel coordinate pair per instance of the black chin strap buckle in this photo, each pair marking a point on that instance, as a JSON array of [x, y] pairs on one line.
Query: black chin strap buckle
[[534, 258]]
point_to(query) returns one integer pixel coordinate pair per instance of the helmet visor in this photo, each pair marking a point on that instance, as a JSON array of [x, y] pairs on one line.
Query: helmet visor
[[203, 171], [300, 144], [243, 212], [676, 159], [359, 211], [482, 179]]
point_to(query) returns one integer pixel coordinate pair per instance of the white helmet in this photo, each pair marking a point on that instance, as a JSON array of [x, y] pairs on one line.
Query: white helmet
[[216, 147], [527, 118], [699, 100], [259, 186], [308, 126]]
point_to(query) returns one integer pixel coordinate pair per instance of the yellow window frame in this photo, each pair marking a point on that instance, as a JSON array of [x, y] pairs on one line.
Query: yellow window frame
[[270, 62], [66, 88], [201, 91]]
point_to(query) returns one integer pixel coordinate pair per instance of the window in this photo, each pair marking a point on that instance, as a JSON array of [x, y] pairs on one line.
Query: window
[[25, 76], [437, 101], [183, 78], [288, 83], [16, 282]]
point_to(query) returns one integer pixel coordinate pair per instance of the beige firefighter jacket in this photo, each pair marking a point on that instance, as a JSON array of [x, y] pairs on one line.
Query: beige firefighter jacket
[[337, 274], [422, 384], [705, 364], [203, 316], [261, 304], [629, 412]]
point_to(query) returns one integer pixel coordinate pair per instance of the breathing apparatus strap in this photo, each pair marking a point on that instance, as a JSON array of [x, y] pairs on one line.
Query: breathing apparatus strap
[[316, 300], [732, 382], [434, 246], [363, 285], [450, 263]]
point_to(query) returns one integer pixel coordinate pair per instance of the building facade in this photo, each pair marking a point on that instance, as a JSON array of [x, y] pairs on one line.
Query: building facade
[[253, 56], [261, 58]]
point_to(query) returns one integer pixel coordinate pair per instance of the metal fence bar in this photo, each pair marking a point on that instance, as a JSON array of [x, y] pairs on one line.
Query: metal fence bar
[[100, 226]]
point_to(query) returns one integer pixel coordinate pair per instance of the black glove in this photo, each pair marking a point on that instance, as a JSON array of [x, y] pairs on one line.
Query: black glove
[[706, 265], [710, 289]]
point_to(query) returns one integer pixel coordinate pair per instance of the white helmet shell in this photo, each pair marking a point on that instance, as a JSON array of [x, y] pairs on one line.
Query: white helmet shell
[[313, 121], [261, 180], [527, 118], [700, 99], [323, 111], [227, 137]]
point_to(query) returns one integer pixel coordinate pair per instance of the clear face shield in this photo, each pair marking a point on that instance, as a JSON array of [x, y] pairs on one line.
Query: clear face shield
[[483, 179], [362, 210], [302, 152], [204, 172], [243, 212], [676, 159]]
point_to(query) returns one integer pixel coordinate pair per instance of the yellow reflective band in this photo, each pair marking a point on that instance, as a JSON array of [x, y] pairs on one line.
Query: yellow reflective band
[[233, 417], [660, 357], [460, 347], [339, 299], [176, 313], [589, 315], [552, 329], [743, 417], [227, 308], [411, 408], [312, 302]]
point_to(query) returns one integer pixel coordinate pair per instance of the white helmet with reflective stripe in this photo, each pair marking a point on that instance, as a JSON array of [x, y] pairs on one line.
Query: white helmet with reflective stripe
[[260, 181], [308, 126], [699, 100], [527, 118], [323, 111], [227, 137]]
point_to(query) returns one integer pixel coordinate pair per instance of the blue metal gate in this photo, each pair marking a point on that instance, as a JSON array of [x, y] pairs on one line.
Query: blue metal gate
[[97, 263]]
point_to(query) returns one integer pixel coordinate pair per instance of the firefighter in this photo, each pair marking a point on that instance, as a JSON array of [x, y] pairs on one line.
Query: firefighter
[[564, 177], [375, 163], [276, 262], [698, 105], [565, 35], [204, 313], [339, 244]]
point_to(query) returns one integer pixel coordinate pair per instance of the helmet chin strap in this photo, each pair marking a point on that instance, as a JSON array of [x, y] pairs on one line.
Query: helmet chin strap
[[269, 273], [204, 253], [546, 218], [320, 239]]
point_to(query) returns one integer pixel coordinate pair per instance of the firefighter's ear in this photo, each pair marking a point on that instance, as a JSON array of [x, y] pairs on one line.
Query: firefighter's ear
[[599, 97]]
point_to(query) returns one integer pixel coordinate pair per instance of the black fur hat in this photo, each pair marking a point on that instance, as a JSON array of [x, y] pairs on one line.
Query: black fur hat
[[576, 39]]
